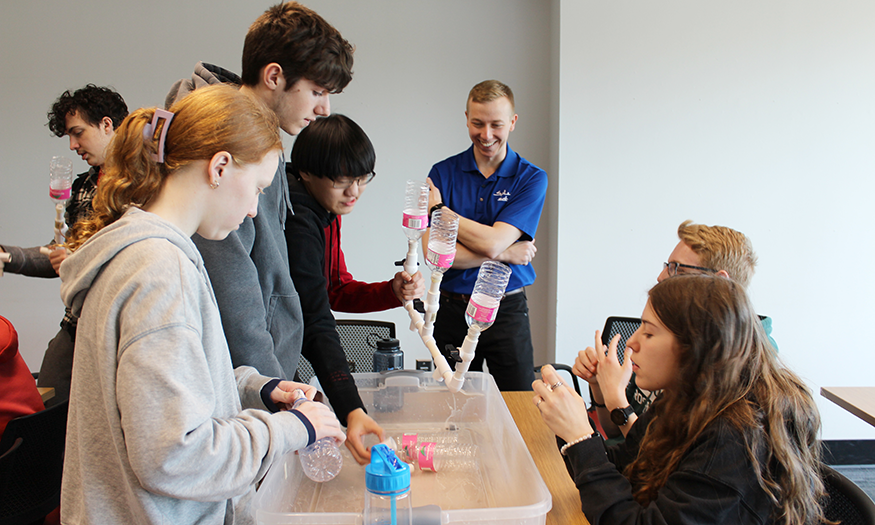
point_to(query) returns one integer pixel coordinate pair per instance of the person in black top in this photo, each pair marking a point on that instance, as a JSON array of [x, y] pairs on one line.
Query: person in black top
[[731, 439]]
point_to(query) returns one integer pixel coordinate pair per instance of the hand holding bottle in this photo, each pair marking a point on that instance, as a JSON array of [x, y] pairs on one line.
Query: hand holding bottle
[[324, 422]]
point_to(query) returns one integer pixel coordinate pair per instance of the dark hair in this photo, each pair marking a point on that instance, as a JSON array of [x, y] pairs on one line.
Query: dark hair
[[210, 119], [91, 103], [729, 370], [333, 147], [302, 43]]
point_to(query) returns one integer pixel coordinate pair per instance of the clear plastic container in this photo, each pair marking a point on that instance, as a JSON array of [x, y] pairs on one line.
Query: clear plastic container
[[388, 355], [387, 489], [442, 240], [489, 288], [405, 445], [445, 457], [321, 461], [415, 219], [506, 489], [60, 179]]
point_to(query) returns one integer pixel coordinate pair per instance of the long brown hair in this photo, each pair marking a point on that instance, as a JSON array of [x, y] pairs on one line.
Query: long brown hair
[[210, 120], [728, 370]]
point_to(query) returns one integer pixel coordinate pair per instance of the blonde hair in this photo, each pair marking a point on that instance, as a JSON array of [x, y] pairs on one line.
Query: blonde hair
[[721, 248], [210, 120], [490, 90]]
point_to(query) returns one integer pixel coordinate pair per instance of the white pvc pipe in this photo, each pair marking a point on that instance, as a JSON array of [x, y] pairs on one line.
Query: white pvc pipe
[[411, 264], [59, 223], [466, 352], [432, 301]]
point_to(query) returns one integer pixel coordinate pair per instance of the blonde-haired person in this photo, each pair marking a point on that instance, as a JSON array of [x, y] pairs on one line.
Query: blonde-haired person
[[732, 438], [724, 251], [499, 196], [161, 427]]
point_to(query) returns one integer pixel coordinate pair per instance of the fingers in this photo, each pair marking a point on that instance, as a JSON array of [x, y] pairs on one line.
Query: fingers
[[549, 375], [357, 449], [408, 288], [324, 421], [586, 365], [359, 424], [612, 349]]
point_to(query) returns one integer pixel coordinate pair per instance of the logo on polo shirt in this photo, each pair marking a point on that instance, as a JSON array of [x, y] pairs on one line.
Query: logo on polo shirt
[[502, 195]]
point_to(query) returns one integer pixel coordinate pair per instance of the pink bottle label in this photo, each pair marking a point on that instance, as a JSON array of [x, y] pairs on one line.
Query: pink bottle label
[[415, 222], [441, 260], [481, 313], [408, 445], [59, 195], [425, 456]]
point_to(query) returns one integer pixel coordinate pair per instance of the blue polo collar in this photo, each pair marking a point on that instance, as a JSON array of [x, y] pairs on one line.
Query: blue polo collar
[[508, 166]]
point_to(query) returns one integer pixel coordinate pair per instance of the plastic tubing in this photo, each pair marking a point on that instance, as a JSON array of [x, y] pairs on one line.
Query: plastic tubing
[[453, 380]]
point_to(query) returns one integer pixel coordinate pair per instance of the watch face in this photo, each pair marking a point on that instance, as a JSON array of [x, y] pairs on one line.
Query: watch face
[[620, 416]]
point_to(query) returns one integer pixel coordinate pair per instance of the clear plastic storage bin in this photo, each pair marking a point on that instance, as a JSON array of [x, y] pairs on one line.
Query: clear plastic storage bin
[[505, 488]]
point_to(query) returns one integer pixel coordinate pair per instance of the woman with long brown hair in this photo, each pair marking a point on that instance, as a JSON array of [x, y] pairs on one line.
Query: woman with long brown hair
[[161, 427], [732, 438]]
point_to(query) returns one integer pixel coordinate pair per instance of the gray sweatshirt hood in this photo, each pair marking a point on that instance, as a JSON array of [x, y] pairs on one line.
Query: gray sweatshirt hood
[[79, 270], [204, 75]]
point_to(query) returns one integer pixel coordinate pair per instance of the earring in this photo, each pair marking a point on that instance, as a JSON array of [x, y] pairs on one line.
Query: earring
[[214, 185]]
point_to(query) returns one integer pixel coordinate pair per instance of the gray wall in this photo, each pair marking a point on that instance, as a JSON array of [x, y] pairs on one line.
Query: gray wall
[[755, 115], [750, 114]]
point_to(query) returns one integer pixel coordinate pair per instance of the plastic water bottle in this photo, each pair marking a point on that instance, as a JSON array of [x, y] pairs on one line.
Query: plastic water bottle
[[442, 240], [405, 445], [388, 355], [415, 210], [60, 179], [488, 290], [60, 183], [444, 457], [387, 489], [320, 461]]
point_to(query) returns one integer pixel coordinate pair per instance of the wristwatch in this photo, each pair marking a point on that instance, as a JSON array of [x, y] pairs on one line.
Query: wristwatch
[[435, 208], [620, 416]]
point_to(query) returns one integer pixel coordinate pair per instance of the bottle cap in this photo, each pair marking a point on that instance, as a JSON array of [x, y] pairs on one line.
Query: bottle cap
[[386, 474], [389, 344]]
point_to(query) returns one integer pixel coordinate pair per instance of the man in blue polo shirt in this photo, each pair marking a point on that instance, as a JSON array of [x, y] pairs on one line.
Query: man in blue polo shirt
[[499, 197]]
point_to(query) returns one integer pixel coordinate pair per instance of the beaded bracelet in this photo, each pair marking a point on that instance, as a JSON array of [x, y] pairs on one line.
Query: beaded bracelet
[[576, 441], [592, 403]]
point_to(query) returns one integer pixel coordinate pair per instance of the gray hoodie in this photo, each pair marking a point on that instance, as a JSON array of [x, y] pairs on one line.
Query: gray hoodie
[[157, 431], [261, 309]]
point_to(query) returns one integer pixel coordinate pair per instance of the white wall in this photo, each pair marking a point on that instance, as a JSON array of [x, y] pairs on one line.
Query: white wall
[[754, 115], [414, 65]]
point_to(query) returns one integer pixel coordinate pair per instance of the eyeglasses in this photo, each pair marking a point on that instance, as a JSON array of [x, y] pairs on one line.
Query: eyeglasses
[[673, 268], [346, 182]]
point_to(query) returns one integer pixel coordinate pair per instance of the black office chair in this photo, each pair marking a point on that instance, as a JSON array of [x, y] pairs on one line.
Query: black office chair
[[565, 368], [847, 503], [31, 479], [625, 326], [358, 338]]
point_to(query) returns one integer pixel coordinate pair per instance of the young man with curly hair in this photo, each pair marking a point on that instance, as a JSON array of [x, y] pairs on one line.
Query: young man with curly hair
[[89, 116]]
